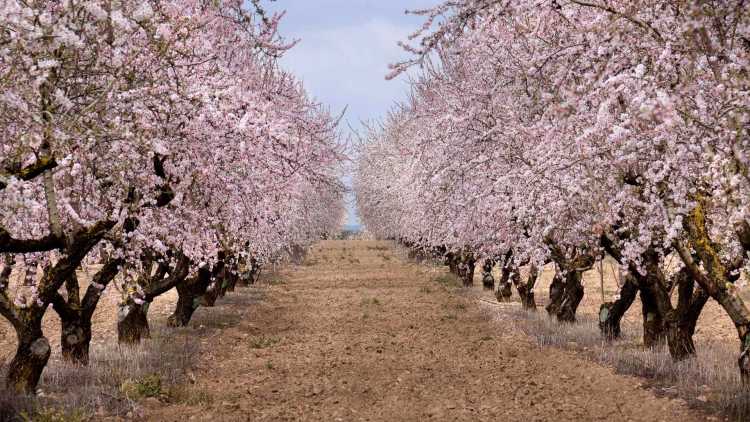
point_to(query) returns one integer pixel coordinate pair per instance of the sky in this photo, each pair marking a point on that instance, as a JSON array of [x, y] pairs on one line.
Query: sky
[[343, 54]]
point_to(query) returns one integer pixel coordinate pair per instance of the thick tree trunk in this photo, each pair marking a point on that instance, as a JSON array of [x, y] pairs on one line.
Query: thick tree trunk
[[572, 296], [526, 290], [466, 267], [504, 292], [186, 306], [556, 294], [611, 313], [231, 283], [32, 354], [212, 293], [75, 338], [714, 278], [214, 288], [189, 297], [132, 323], [488, 282], [654, 329], [451, 259], [681, 322]]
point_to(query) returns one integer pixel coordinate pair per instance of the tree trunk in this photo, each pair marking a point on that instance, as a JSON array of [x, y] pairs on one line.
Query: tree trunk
[[611, 313], [466, 269], [232, 279], [504, 292], [189, 296], [526, 290], [653, 324], [132, 323], [572, 296], [556, 295], [714, 278], [681, 322], [186, 306], [488, 282], [212, 293], [75, 338], [452, 262], [32, 354]]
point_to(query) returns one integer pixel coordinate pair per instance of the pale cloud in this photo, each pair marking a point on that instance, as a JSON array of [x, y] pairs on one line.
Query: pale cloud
[[344, 51]]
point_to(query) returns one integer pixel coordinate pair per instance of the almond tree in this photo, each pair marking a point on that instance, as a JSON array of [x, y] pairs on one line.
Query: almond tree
[[103, 155], [568, 129]]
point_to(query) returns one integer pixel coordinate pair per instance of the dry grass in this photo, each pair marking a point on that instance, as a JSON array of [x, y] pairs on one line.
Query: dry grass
[[118, 377], [110, 385], [448, 280], [709, 381]]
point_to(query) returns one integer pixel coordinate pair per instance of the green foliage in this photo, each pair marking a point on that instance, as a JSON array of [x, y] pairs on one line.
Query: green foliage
[[147, 386]]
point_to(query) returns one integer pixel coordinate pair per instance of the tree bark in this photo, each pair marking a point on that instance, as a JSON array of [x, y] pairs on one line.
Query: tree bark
[[189, 298], [75, 339], [132, 323], [556, 294], [526, 290], [451, 259], [33, 348], [466, 267], [654, 329], [231, 284], [714, 278], [75, 313], [212, 294], [682, 320], [504, 292], [32, 353], [611, 313], [488, 282], [572, 296]]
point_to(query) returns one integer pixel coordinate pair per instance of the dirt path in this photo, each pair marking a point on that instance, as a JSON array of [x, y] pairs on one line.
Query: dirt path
[[358, 334]]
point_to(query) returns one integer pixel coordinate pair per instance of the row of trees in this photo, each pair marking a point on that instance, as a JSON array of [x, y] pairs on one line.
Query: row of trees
[[562, 131], [160, 140]]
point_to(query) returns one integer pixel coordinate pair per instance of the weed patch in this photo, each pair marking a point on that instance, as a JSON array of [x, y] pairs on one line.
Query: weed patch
[[263, 342]]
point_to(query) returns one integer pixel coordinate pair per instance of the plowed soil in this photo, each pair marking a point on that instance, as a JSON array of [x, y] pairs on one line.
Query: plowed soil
[[359, 334]]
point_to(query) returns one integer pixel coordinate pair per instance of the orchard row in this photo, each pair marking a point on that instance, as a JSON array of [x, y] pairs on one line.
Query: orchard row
[[565, 131], [158, 141]]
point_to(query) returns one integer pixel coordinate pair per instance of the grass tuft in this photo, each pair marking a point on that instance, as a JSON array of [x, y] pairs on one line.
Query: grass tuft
[[263, 342]]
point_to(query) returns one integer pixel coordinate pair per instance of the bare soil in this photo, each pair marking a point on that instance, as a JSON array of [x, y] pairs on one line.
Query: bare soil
[[359, 334]]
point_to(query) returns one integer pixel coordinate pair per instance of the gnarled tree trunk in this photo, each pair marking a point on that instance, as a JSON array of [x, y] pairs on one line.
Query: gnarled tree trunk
[[488, 282], [556, 294], [504, 292], [189, 298], [572, 296], [32, 353], [526, 290], [33, 349], [132, 322], [611, 313], [466, 267], [75, 314]]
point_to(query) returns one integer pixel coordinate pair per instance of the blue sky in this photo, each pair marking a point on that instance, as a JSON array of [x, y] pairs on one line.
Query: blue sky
[[344, 51]]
